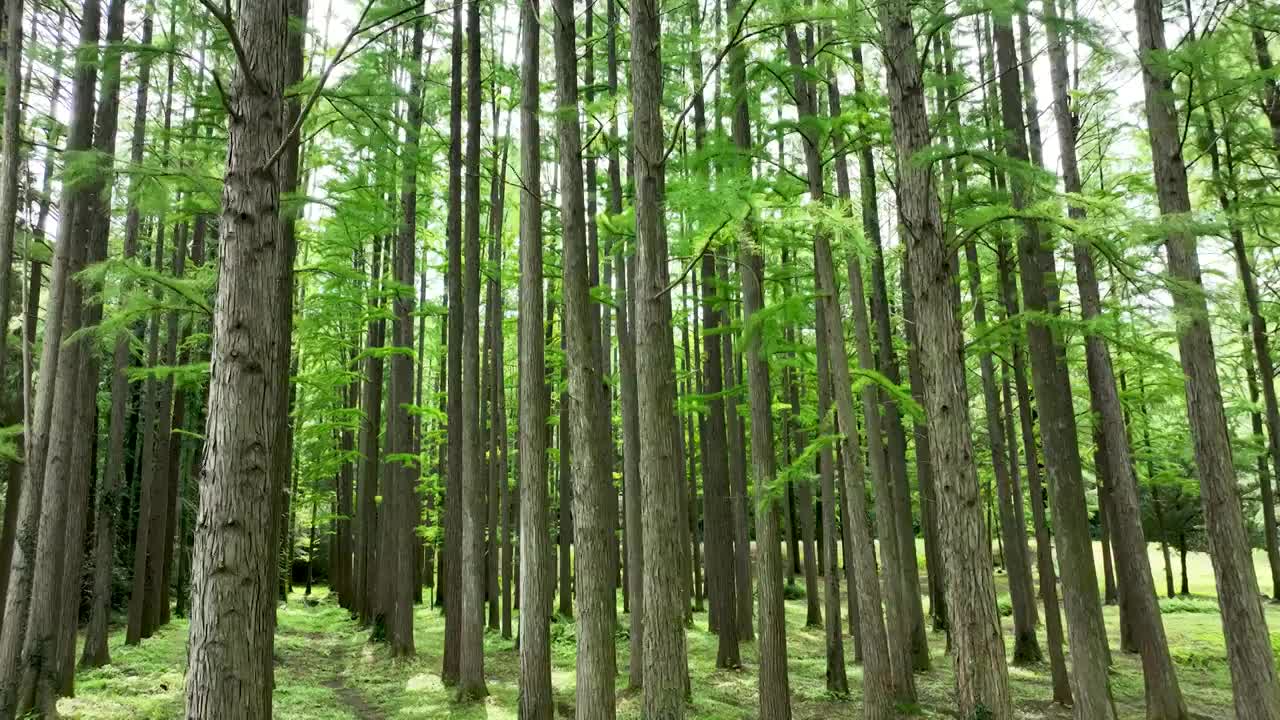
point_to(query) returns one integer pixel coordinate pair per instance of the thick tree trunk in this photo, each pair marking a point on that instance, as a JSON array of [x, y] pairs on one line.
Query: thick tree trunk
[[1249, 654], [230, 670], [978, 649]]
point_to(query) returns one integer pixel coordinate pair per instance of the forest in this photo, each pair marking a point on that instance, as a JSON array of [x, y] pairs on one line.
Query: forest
[[650, 359]]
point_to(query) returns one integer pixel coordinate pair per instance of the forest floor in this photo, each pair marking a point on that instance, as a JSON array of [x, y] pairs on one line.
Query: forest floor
[[327, 670]]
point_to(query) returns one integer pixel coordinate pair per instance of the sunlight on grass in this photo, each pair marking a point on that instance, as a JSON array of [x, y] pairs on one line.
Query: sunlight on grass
[[327, 670]]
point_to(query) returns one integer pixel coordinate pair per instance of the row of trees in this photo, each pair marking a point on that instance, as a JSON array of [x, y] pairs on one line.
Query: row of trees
[[731, 370]]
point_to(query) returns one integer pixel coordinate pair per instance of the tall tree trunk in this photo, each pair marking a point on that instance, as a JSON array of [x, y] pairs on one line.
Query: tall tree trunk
[[889, 430], [978, 649], [626, 277], [400, 491], [717, 512], [230, 670], [112, 484], [1164, 698], [451, 560], [665, 668], [371, 405], [594, 579], [97, 226], [535, 552], [471, 681], [1026, 647], [886, 655], [1249, 654], [1091, 686], [11, 161], [30, 622], [774, 684], [837, 679]]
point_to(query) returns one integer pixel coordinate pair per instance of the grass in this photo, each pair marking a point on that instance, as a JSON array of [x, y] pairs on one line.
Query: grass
[[326, 669]]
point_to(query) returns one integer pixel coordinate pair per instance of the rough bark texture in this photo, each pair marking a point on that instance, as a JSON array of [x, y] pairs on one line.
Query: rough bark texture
[[233, 591], [471, 681], [594, 579], [451, 560], [1249, 654], [535, 552], [1164, 698], [665, 670], [32, 572], [977, 646], [1091, 687], [774, 684], [1026, 647]]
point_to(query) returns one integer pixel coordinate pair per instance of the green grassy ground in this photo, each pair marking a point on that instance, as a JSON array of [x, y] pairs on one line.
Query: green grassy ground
[[326, 670]]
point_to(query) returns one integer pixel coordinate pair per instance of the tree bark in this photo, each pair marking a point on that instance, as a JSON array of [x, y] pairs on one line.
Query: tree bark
[[471, 681], [978, 649], [837, 679], [29, 613], [774, 683], [400, 493], [1254, 685], [1091, 686], [112, 484], [230, 670], [665, 670], [451, 559], [535, 552], [594, 580]]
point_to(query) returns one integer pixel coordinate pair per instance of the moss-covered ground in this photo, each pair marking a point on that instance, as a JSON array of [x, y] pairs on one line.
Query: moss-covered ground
[[327, 670]]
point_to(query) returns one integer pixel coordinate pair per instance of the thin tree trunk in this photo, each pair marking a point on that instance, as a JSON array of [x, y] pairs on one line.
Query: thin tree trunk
[[451, 560], [837, 679], [1026, 647], [471, 680], [400, 495], [593, 537], [887, 655], [1249, 654], [112, 484], [1091, 686], [978, 649], [665, 666], [535, 552], [774, 684]]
